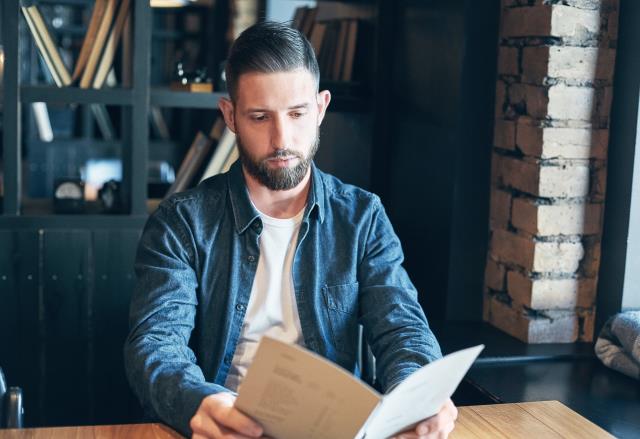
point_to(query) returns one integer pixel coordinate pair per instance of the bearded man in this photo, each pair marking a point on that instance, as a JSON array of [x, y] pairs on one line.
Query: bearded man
[[273, 247]]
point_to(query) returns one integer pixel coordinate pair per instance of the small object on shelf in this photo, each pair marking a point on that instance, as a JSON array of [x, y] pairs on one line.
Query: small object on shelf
[[193, 87], [68, 195], [196, 81], [110, 196]]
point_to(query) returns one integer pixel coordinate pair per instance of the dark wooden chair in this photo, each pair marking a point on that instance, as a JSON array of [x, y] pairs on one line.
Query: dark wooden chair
[[11, 410]]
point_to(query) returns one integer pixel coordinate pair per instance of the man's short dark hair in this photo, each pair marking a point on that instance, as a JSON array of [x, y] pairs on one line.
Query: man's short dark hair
[[269, 47]]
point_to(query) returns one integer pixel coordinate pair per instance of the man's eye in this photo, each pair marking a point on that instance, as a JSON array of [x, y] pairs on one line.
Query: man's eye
[[297, 115], [259, 117]]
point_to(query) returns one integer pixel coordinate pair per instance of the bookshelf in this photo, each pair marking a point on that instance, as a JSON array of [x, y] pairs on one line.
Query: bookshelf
[[68, 277]]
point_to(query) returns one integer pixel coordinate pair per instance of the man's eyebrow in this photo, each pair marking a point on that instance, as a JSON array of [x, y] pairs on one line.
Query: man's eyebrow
[[266, 110]]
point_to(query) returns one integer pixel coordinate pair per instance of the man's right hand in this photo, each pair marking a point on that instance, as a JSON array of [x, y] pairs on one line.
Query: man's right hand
[[218, 418]]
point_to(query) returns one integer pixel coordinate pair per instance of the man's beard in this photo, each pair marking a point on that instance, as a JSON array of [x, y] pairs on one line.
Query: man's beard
[[278, 179]]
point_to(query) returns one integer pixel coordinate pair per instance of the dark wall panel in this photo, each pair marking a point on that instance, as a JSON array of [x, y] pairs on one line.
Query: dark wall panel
[[113, 253], [441, 117], [67, 308], [64, 301]]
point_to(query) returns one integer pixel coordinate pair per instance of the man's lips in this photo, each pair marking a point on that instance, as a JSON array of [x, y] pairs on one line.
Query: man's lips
[[282, 161]]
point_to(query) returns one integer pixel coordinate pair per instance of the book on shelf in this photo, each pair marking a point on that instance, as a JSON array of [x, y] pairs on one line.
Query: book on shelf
[[46, 45], [338, 60], [89, 39], [158, 123], [350, 51], [317, 35], [102, 34], [220, 156], [109, 52], [127, 53], [333, 30], [309, 19], [298, 17], [191, 163], [293, 393], [43, 121]]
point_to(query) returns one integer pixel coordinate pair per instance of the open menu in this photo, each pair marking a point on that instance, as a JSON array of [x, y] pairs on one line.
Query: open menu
[[295, 393]]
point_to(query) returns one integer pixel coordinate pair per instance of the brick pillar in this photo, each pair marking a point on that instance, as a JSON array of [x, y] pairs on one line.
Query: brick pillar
[[553, 98]]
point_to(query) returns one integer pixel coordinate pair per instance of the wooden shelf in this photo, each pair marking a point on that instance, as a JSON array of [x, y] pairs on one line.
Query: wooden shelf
[[75, 95], [165, 97]]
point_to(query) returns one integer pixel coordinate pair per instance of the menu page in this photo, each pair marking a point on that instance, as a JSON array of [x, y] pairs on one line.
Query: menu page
[[294, 393], [420, 395]]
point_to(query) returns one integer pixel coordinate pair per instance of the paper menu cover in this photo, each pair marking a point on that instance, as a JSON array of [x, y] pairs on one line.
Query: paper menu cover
[[295, 393]]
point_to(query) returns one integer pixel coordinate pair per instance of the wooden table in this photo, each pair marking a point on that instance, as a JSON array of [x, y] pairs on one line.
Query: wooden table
[[546, 419]]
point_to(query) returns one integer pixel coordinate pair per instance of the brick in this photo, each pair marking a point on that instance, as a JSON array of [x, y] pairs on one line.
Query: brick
[[535, 64], [504, 134], [606, 64], [580, 63], [584, 4], [555, 327], [587, 290], [604, 100], [529, 137], [510, 248], [524, 215], [517, 174], [494, 275], [508, 61], [526, 21], [558, 219], [598, 182], [573, 143], [499, 209], [586, 325], [506, 318], [517, 94], [580, 24], [566, 180], [612, 25], [538, 101], [501, 98], [544, 294], [590, 264], [567, 102], [557, 257]]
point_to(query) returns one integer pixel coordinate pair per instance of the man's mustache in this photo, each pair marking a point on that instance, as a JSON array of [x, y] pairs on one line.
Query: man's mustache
[[284, 153]]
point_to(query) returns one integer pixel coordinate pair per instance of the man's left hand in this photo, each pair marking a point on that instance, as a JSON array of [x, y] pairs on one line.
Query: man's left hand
[[438, 426]]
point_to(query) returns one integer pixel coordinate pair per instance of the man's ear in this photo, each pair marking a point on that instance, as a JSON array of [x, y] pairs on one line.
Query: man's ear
[[226, 107], [324, 97]]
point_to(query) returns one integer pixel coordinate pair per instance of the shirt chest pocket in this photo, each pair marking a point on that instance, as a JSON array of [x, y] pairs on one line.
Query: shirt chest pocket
[[342, 312]]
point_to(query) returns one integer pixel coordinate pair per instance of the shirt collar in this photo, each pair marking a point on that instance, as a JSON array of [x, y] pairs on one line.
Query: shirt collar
[[244, 213]]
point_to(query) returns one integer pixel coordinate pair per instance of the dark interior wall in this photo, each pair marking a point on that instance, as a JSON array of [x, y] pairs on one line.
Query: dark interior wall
[[442, 96], [345, 147]]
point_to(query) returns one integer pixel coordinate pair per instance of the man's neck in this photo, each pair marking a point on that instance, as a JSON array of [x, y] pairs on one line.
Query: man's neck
[[278, 204]]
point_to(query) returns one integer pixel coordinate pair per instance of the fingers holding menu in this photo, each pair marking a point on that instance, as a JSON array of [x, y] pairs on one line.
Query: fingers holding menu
[[217, 417]]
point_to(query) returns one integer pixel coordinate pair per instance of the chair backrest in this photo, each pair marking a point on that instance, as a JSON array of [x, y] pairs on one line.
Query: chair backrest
[[11, 410], [3, 392], [366, 361]]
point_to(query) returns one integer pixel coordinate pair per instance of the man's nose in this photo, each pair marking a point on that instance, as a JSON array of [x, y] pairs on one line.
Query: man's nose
[[281, 133]]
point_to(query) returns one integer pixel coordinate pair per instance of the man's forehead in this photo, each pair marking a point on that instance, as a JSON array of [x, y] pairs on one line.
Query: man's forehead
[[290, 88]]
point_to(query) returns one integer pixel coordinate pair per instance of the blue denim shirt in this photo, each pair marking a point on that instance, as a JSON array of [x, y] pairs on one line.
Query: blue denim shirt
[[195, 266]]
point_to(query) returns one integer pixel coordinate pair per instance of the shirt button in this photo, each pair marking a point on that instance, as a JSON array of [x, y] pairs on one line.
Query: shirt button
[[240, 307], [251, 258]]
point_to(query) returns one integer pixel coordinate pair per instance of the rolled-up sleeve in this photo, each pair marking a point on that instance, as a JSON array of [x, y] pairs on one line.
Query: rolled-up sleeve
[[394, 323], [160, 365]]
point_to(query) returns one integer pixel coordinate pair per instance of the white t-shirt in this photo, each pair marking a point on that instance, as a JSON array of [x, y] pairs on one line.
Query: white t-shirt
[[272, 308]]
